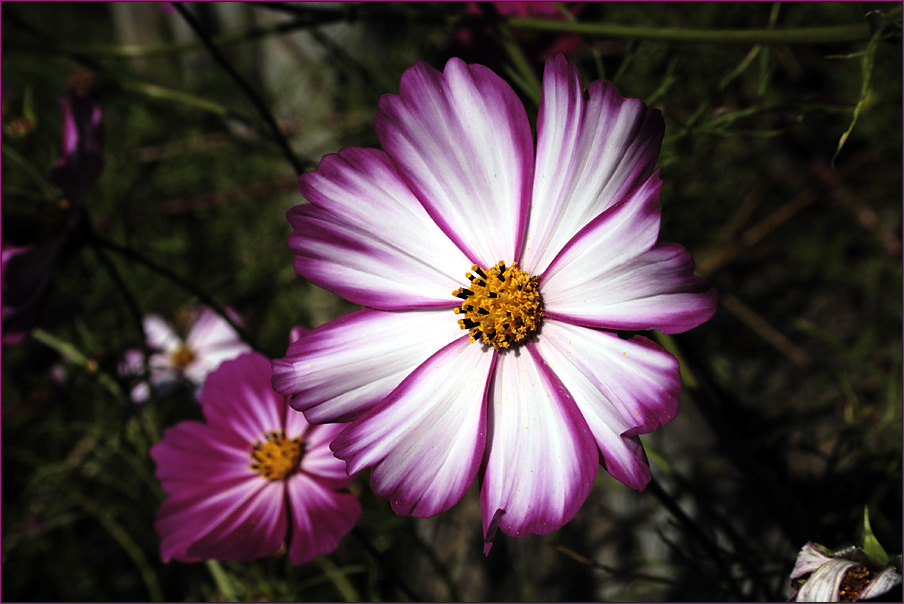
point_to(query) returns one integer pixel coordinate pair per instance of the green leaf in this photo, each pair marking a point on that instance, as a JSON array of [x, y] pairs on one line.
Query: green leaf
[[871, 545], [867, 62]]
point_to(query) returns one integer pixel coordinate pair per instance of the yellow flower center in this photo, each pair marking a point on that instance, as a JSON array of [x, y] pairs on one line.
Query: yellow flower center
[[501, 306], [277, 457], [854, 581], [182, 357]]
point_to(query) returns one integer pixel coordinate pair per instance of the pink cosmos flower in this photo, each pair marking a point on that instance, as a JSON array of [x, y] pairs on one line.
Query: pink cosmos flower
[[254, 478], [537, 45], [27, 269], [512, 373], [210, 341]]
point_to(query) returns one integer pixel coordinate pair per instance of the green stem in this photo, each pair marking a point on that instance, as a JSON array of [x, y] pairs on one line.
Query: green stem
[[159, 92], [338, 578], [527, 76], [797, 35], [222, 580]]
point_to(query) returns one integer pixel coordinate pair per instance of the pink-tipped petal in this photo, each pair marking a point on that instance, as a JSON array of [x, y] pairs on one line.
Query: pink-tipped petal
[[614, 275], [319, 461], [192, 455], [160, 336], [366, 237], [622, 388], [886, 580], [210, 332], [320, 518], [212, 340], [347, 366], [238, 398], [809, 559], [210, 359], [824, 583], [82, 142], [426, 440], [591, 153], [461, 140], [639, 379], [297, 332], [191, 524], [254, 529], [541, 459]]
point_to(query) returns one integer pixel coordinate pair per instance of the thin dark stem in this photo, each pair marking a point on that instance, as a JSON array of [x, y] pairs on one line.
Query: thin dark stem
[[131, 303], [181, 282], [246, 88], [687, 522]]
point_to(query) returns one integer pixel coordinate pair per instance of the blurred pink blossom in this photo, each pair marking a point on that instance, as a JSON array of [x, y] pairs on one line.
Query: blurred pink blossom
[[481, 45], [256, 478], [27, 269]]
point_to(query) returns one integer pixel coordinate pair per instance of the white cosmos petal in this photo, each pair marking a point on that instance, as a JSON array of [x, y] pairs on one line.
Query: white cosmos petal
[[809, 559], [366, 236], [883, 582], [614, 275], [823, 584], [622, 388], [461, 140], [210, 332], [347, 366], [591, 153], [160, 336], [542, 459], [425, 440]]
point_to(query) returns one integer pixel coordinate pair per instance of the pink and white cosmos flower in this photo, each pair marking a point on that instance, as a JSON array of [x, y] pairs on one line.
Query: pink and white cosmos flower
[[210, 341], [512, 373], [253, 479]]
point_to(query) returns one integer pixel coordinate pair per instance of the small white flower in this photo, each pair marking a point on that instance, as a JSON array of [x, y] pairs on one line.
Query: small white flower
[[847, 575], [210, 341]]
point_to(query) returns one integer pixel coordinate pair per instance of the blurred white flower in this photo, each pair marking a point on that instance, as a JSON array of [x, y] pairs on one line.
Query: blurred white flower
[[210, 340]]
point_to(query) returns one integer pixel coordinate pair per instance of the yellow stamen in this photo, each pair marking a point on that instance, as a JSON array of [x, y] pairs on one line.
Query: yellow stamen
[[501, 306], [182, 357], [277, 457]]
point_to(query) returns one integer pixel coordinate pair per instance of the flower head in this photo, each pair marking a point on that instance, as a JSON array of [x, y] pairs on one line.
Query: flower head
[[847, 575], [255, 476], [27, 268], [496, 279], [210, 341]]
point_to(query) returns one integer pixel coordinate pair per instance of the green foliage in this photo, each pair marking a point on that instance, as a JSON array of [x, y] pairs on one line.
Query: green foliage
[[871, 546]]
